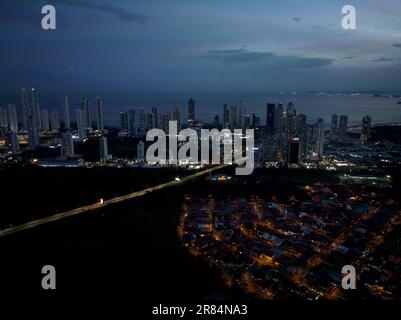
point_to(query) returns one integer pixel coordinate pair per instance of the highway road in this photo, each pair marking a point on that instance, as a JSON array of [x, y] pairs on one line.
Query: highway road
[[98, 205]]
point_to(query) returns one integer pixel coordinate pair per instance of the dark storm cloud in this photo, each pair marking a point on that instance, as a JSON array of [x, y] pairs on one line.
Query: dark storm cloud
[[397, 45], [265, 59]]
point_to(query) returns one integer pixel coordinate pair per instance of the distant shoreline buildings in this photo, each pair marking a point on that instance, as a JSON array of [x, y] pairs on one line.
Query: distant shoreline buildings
[[285, 138]]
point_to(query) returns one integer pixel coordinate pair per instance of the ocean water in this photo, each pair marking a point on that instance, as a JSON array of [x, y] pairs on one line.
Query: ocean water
[[382, 109]]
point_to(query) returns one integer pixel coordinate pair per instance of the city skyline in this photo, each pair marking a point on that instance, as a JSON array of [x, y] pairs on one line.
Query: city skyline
[[93, 108], [30, 113], [287, 138]]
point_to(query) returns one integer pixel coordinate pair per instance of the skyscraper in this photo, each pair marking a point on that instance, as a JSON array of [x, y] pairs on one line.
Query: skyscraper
[[216, 121], [334, 124], [67, 144], [164, 121], [12, 142], [233, 117], [255, 121], [150, 120], [279, 119], [319, 136], [133, 129], [85, 107], [141, 122], [36, 114], [12, 117], [293, 150], [33, 138], [291, 116], [55, 121], [270, 118], [141, 151], [67, 122], [132, 122], [241, 115], [3, 118], [103, 149], [45, 120], [176, 116], [99, 111], [155, 117], [309, 141], [343, 128], [25, 108], [191, 111], [124, 120], [366, 126], [301, 124], [301, 134], [80, 124], [247, 121], [226, 116]]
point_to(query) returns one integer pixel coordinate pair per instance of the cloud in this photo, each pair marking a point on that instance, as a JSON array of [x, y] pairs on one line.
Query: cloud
[[265, 59], [349, 57], [385, 59], [318, 27], [397, 45], [296, 19], [118, 11]]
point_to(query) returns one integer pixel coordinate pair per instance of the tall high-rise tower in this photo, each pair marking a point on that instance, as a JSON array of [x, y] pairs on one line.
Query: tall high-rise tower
[[99, 111], [270, 118], [319, 136], [67, 122], [104, 152], [55, 121], [141, 151], [33, 137], [241, 115], [155, 117], [226, 116], [191, 112], [233, 117], [12, 117], [3, 118], [12, 142], [334, 124], [291, 116], [26, 110], [67, 144], [279, 119], [80, 124], [45, 120], [343, 127], [176, 116], [124, 120], [36, 114], [85, 107], [133, 129], [366, 126]]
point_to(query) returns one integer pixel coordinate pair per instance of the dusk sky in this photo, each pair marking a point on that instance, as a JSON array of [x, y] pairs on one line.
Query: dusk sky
[[183, 46]]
